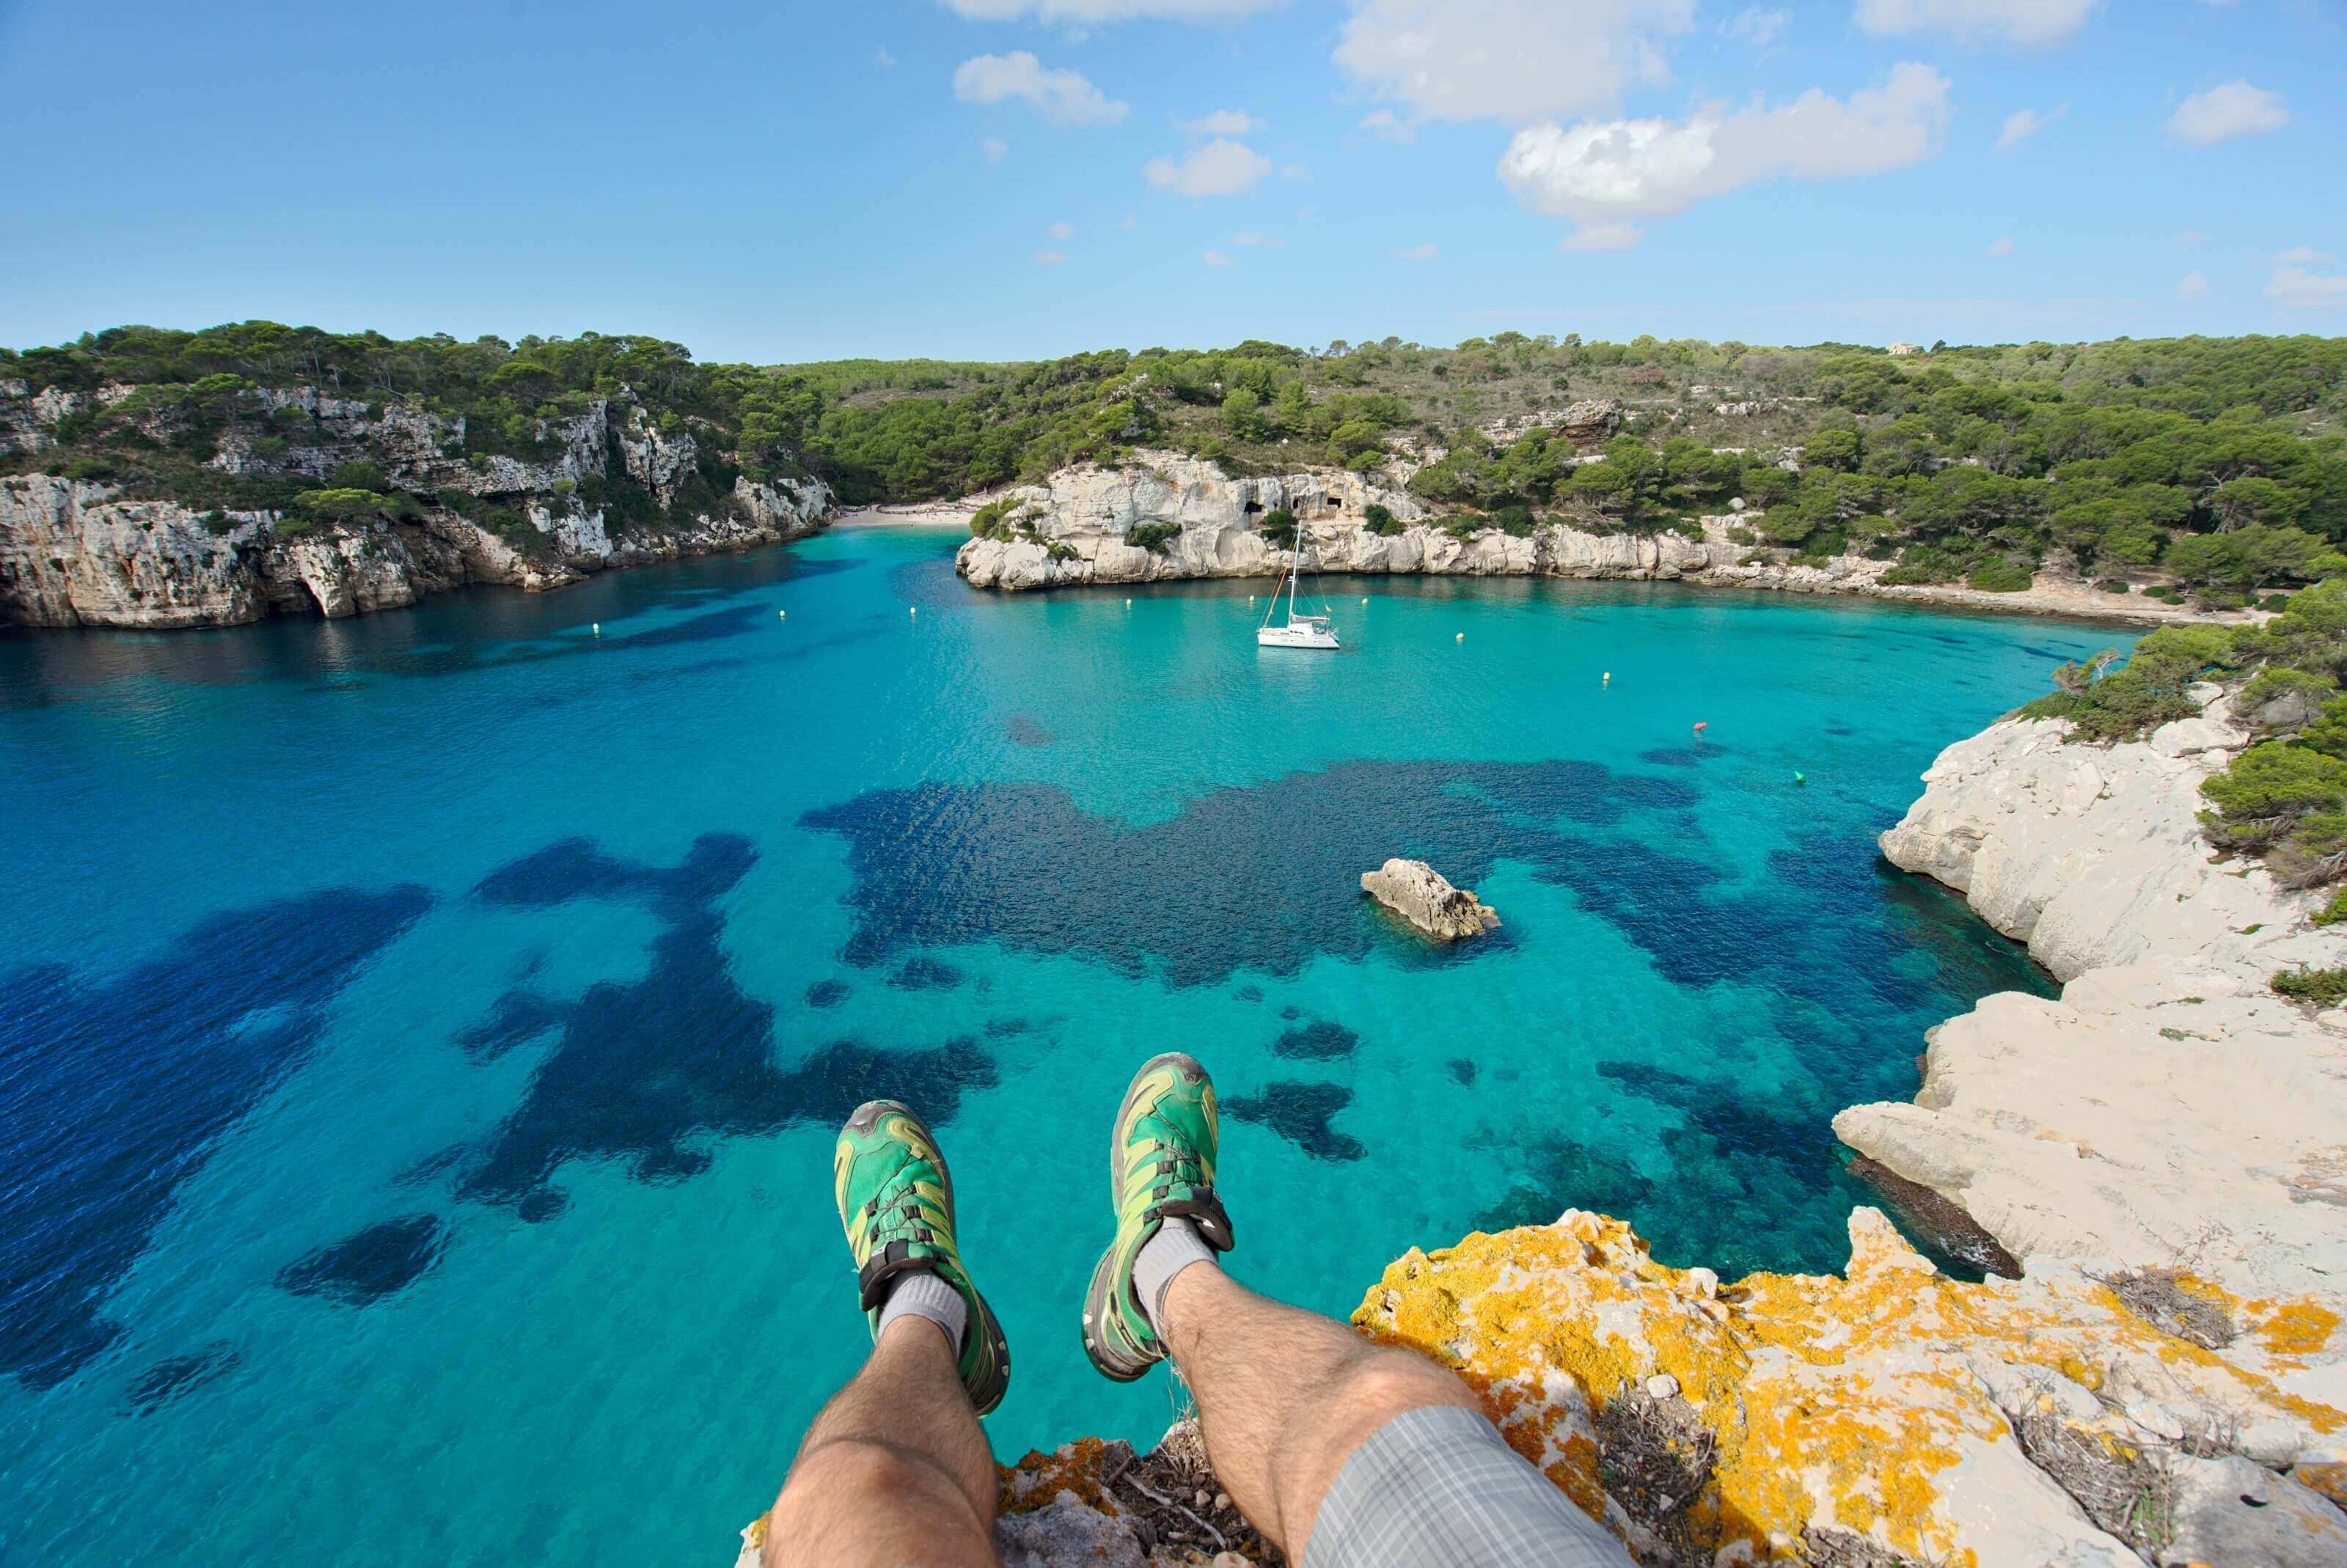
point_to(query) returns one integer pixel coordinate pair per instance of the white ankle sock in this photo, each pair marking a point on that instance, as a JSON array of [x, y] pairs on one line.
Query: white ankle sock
[[924, 1295], [1176, 1245]]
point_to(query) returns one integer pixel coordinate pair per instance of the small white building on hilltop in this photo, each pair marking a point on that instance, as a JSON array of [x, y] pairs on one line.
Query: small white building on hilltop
[[1900, 348]]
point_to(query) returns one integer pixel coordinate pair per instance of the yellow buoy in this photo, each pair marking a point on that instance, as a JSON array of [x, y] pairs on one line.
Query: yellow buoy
[[597, 629], [782, 615], [912, 610], [1463, 637], [1365, 602], [1609, 677], [1128, 604]]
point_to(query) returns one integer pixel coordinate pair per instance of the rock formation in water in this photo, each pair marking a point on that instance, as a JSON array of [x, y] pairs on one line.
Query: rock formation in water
[[1080, 527], [1423, 897], [82, 552]]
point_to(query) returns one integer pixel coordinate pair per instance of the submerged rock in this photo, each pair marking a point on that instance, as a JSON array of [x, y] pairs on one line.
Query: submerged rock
[[1421, 896]]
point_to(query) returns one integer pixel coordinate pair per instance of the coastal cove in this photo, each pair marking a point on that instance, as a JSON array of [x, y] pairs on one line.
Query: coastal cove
[[474, 986]]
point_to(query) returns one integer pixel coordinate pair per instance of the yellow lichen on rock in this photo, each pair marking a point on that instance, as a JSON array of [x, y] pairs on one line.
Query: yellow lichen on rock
[[1039, 1477], [1882, 1402]]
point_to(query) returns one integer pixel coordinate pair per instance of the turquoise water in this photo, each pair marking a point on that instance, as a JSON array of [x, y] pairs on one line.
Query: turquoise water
[[421, 1036]]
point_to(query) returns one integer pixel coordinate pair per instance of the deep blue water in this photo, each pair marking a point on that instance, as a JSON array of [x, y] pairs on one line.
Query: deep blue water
[[421, 1037]]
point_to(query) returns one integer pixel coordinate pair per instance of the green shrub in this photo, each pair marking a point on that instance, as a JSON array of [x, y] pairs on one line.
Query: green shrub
[[987, 523], [91, 469], [1153, 537], [1278, 527], [2321, 987], [2331, 913], [2268, 788], [358, 474], [1463, 525], [1517, 521], [2113, 585], [1380, 519], [1998, 574], [218, 522]]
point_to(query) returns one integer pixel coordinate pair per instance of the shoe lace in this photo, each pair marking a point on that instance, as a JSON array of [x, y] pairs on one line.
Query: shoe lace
[[1176, 1164], [896, 1209]]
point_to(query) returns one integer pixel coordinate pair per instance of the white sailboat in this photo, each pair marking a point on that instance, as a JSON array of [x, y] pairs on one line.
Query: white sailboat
[[1298, 631]]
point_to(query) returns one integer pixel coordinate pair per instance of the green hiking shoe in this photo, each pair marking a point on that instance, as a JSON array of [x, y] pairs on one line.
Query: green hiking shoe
[[1161, 1164], [895, 1200]]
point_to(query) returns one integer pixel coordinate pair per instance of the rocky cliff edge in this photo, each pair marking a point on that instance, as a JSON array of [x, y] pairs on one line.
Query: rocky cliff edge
[[1073, 529]]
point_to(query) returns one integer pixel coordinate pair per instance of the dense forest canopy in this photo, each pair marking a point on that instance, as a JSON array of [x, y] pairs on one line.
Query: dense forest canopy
[[2217, 463]]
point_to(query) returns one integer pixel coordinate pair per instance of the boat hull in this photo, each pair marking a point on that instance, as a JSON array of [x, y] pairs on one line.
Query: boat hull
[[1296, 637]]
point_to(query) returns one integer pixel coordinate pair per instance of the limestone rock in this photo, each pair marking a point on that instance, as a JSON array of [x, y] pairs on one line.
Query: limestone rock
[[1890, 1403], [1590, 420], [1421, 896], [1071, 530], [76, 553], [2169, 1108], [2229, 1510], [1065, 1532]]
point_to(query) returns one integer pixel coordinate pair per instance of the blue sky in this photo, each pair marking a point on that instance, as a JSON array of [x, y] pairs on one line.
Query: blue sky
[[1002, 179]]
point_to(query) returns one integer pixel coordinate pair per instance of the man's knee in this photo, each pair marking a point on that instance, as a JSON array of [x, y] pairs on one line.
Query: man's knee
[[1387, 1381], [849, 1486]]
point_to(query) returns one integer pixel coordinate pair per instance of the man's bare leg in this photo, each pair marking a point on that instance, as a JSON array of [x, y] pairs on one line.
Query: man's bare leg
[[1285, 1395], [894, 1471]]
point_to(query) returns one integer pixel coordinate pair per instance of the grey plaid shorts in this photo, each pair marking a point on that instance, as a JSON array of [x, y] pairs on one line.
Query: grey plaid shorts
[[1439, 1487]]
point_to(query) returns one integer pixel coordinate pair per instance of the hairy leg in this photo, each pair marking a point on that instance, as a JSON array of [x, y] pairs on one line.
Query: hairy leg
[[1285, 1395], [894, 1470]]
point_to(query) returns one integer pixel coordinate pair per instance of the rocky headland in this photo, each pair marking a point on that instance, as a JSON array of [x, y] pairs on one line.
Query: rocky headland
[[85, 551], [1166, 517], [2163, 1150]]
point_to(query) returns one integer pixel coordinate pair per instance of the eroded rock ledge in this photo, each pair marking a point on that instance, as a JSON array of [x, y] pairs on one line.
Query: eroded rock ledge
[[2169, 1108], [1070, 531]]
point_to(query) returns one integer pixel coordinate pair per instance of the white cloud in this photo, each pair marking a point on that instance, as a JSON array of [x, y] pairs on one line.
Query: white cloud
[[2301, 256], [2013, 21], [2298, 289], [1759, 27], [1224, 122], [994, 146], [1999, 246], [1603, 172], [1510, 60], [2195, 284], [2222, 113], [1426, 253], [1601, 237], [1253, 237], [1389, 124], [1081, 12], [1215, 258], [1063, 98], [1294, 172], [1130, 221], [2191, 237], [1220, 168], [1050, 258], [2023, 124], [885, 58], [1061, 231]]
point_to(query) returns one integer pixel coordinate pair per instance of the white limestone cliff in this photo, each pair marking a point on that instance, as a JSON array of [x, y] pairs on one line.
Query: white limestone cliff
[[76, 553], [1070, 531], [2168, 1110]]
